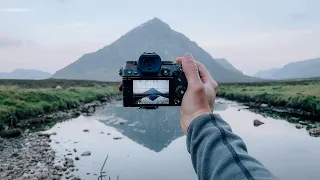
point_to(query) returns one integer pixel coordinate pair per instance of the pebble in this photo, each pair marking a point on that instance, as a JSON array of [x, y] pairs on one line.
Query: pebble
[[257, 122], [87, 153]]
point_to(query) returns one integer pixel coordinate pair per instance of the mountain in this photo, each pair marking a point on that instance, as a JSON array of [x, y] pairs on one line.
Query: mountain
[[152, 91], [225, 63], [25, 74], [267, 74], [152, 36], [301, 69]]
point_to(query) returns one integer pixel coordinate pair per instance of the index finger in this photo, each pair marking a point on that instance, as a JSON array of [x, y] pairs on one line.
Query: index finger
[[205, 75]]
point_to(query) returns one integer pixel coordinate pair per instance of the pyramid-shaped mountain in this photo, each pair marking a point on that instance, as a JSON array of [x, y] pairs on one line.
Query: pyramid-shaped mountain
[[152, 91], [152, 36]]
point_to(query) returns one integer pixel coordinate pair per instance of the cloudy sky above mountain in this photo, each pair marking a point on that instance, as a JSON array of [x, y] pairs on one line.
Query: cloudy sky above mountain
[[253, 35]]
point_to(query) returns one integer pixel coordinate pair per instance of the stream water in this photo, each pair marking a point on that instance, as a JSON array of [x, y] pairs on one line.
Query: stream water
[[152, 145]]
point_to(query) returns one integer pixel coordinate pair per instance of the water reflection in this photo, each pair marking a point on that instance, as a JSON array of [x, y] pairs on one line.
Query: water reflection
[[155, 129], [153, 146]]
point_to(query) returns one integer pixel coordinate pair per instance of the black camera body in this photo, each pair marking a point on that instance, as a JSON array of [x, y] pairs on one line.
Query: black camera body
[[151, 82]]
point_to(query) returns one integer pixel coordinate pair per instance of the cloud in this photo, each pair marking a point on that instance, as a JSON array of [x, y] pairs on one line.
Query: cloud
[[14, 10]]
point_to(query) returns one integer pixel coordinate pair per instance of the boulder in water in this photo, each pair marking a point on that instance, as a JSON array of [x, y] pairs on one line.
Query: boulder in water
[[299, 126], [257, 122], [315, 132], [87, 153]]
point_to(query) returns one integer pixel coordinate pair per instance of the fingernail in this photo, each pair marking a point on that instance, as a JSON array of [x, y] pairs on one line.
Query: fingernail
[[188, 57]]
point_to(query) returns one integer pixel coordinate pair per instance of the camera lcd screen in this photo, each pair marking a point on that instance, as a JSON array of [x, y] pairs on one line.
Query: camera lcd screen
[[151, 92]]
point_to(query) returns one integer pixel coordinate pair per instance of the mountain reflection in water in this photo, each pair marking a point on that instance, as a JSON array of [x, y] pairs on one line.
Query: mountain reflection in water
[[154, 129]]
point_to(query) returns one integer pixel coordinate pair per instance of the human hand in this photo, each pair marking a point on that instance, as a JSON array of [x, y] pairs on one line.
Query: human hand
[[201, 92]]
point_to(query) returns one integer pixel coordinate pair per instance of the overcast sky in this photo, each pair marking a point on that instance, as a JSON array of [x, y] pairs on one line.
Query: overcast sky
[[252, 34]]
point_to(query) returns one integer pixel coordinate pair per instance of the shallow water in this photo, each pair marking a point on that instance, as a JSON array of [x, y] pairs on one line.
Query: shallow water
[[153, 146]]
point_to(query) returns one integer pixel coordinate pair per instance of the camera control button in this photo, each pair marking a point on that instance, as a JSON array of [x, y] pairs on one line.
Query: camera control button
[[177, 101], [165, 72], [180, 91]]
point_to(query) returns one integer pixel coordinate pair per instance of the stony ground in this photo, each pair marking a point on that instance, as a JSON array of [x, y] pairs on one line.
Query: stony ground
[[30, 157]]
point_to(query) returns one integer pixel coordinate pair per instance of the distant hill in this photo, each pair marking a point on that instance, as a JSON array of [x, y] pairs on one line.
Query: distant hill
[[152, 36], [225, 63], [301, 69], [267, 74], [25, 74]]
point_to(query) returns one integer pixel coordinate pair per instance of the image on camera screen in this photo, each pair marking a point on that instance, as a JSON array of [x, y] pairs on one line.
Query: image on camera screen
[[151, 91]]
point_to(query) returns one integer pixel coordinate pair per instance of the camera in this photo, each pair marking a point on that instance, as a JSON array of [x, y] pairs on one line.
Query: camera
[[151, 82]]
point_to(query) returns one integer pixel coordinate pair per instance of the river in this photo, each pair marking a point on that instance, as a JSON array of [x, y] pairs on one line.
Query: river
[[153, 146]]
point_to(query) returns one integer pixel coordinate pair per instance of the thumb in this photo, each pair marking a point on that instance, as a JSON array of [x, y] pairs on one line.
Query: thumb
[[191, 72]]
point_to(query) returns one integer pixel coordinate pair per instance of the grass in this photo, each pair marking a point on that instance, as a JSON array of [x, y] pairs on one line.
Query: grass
[[304, 95], [21, 100]]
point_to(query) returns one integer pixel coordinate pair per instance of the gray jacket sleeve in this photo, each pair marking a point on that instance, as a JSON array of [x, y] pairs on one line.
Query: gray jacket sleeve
[[219, 154]]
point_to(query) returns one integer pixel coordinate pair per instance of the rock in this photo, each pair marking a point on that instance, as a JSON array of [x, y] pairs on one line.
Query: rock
[[77, 158], [76, 114], [49, 117], [239, 110], [86, 130], [314, 132], [299, 126], [53, 133], [68, 163], [10, 168], [310, 126], [88, 173], [45, 134], [108, 134], [117, 138], [87, 153], [303, 122], [264, 105], [15, 155], [121, 122], [104, 99], [10, 133], [257, 122], [58, 87], [101, 132], [74, 150], [69, 154]]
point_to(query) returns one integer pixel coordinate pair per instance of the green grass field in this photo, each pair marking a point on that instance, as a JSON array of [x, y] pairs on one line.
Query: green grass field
[[21, 99], [303, 95]]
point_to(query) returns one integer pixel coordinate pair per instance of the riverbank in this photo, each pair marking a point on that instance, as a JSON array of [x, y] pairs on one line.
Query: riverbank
[[301, 98], [31, 157], [21, 102]]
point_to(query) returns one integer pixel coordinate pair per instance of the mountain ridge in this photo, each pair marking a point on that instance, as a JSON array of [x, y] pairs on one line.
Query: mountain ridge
[[151, 36], [227, 65], [300, 69], [25, 74]]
